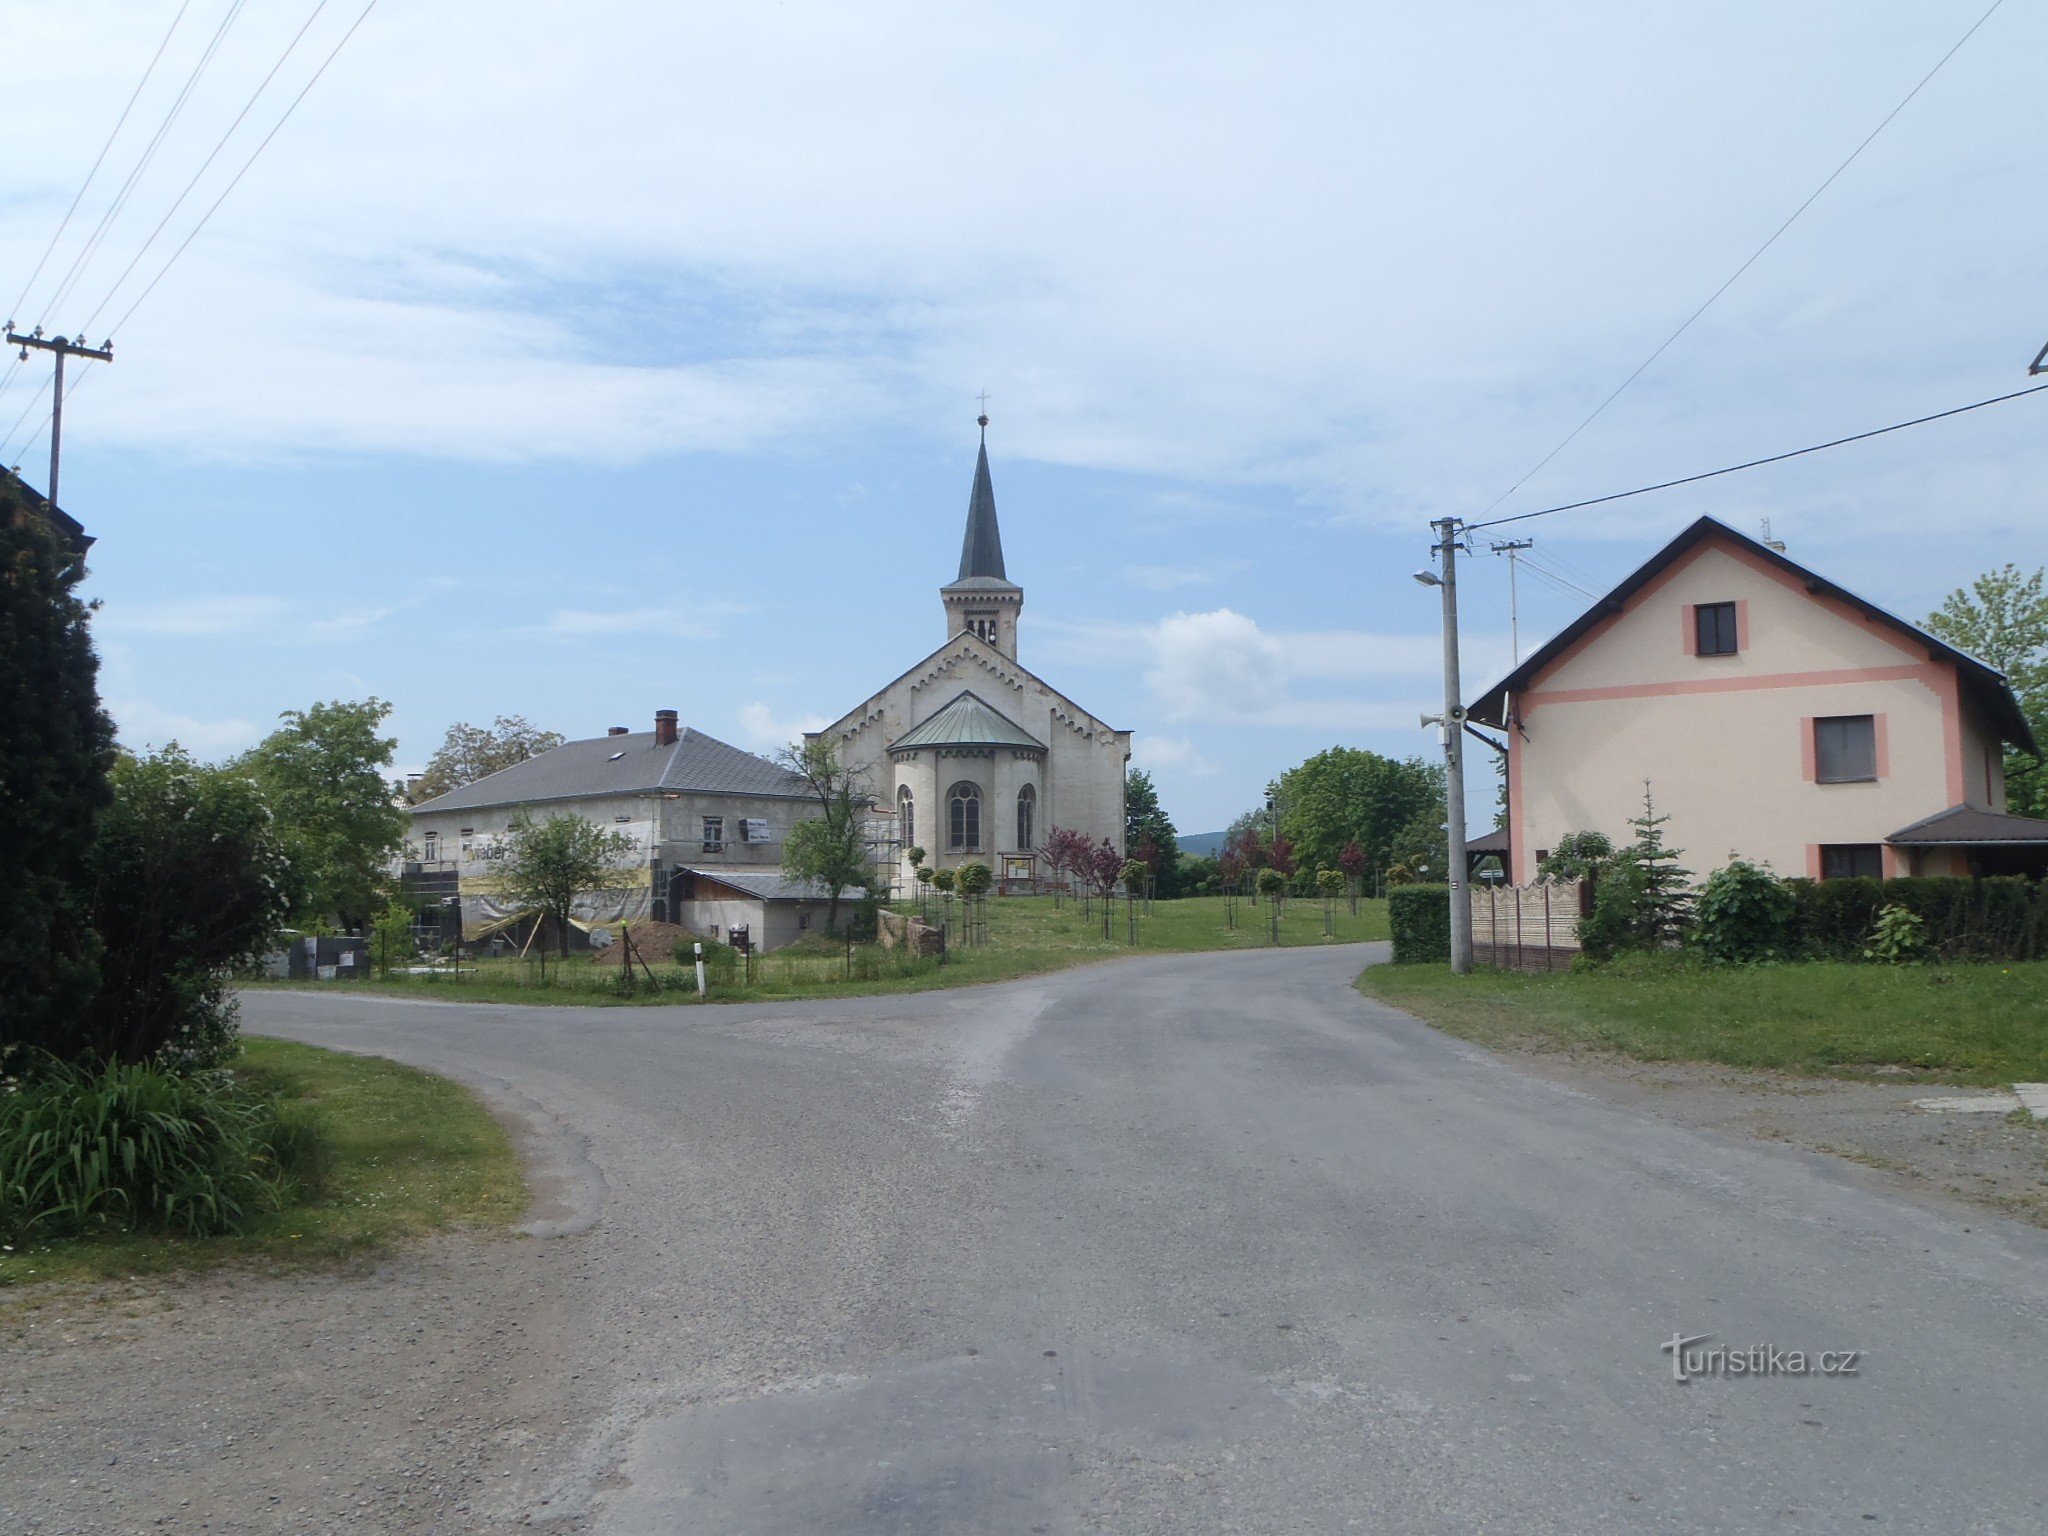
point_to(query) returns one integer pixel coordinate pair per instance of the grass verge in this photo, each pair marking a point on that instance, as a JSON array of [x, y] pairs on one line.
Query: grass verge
[[1966, 1024], [1027, 936], [412, 1153]]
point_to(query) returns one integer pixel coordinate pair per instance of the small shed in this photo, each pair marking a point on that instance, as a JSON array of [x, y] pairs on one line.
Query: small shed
[[774, 909]]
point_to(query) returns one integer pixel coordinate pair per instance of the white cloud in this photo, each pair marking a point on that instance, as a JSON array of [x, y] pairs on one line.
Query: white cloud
[[762, 730], [1166, 578], [1216, 665], [1177, 754], [140, 725], [273, 618], [573, 624]]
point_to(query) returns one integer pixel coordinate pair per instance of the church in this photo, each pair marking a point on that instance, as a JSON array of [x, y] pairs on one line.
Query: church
[[969, 755]]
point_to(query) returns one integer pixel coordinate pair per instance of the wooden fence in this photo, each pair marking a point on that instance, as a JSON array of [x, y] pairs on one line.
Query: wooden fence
[[1527, 927]]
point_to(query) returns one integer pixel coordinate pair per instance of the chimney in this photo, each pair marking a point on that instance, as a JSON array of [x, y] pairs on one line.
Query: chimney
[[664, 727], [616, 730]]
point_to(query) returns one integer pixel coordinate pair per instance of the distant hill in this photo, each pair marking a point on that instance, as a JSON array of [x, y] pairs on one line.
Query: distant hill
[[1202, 845]]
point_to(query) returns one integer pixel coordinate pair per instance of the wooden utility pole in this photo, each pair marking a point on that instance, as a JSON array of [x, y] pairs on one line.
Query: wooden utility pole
[[62, 347]]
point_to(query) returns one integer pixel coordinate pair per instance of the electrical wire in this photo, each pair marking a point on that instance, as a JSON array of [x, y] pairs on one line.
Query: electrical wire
[[1553, 577], [120, 202], [33, 402], [205, 164], [1775, 458], [237, 178], [1665, 345]]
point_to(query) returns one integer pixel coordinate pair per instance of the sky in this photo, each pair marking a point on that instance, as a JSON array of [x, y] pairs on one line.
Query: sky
[[576, 365]]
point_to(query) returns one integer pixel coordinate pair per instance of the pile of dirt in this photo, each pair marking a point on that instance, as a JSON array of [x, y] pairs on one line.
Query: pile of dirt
[[656, 943]]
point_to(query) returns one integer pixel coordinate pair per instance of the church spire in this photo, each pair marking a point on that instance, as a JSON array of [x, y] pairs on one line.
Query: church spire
[[982, 600], [981, 551]]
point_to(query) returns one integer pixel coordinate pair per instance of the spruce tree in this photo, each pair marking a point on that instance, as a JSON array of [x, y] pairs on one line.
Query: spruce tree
[[56, 748], [1664, 913]]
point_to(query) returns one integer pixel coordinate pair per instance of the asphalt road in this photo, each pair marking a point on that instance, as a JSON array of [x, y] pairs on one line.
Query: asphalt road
[[1211, 1243]]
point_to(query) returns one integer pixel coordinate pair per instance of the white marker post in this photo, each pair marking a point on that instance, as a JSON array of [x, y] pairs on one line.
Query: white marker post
[[700, 972]]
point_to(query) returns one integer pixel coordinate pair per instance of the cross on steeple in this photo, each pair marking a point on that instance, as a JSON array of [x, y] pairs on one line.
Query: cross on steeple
[[982, 419]]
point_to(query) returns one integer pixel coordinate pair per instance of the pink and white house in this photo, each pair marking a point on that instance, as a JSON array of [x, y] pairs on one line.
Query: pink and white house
[[1775, 716]]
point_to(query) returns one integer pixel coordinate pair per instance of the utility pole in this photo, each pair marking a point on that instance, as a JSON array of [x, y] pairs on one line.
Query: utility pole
[[1452, 723], [62, 347], [1508, 547]]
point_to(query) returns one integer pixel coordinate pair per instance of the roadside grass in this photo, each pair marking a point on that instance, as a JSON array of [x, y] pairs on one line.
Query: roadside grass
[[1026, 936], [412, 1153], [1979, 1025]]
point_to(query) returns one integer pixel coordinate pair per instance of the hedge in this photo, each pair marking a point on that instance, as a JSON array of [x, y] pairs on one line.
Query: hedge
[[1420, 917], [2005, 918]]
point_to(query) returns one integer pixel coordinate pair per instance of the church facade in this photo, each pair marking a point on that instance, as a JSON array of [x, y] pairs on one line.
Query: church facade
[[969, 755]]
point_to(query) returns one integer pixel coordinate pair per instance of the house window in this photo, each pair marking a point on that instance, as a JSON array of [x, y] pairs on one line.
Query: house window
[[714, 834], [963, 816], [433, 842], [1845, 749], [1027, 813], [906, 817], [1851, 861], [1715, 629]]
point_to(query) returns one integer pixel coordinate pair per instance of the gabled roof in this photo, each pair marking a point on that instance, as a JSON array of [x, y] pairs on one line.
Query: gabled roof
[[981, 551], [1966, 825], [967, 722], [1986, 684], [68, 528], [624, 765]]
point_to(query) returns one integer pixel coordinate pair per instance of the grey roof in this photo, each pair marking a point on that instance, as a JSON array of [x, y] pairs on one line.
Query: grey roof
[[769, 884], [1986, 684], [967, 722], [624, 765], [1962, 825], [1495, 841], [981, 551]]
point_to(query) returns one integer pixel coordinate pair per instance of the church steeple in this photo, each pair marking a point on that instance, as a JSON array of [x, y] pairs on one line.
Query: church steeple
[[981, 552], [982, 600]]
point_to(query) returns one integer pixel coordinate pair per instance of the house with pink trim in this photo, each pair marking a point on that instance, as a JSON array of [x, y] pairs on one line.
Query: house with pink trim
[[1774, 715]]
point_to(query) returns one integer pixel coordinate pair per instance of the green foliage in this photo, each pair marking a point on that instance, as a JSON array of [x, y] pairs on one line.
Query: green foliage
[[1744, 915], [391, 940], [1271, 883], [926, 875], [721, 961], [1420, 918], [323, 773], [1347, 795], [974, 879], [471, 752], [944, 879], [1421, 851], [830, 850], [2002, 619], [141, 1148], [552, 864], [1199, 875], [1643, 897], [56, 746], [2000, 919], [1577, 856], [1898, 937], [1133, 876], [189, 881], [1147, 826], [1612, 925], [916, 857], [1330, 882]]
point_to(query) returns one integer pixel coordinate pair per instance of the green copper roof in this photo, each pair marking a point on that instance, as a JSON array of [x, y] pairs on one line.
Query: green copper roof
[[966, 722]]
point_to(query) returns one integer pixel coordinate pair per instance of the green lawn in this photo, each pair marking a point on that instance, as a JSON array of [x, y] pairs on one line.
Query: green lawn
[[1027, 935], [412, 1153], [1970, 1024]]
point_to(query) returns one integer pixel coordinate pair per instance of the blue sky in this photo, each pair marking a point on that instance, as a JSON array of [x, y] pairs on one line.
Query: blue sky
[[579, 371]]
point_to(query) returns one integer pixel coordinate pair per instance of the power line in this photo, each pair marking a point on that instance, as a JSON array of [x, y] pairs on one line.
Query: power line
[[205, 164], [237, 178], [1665, 345], [92, 243], [65, 222], [1776, 458]]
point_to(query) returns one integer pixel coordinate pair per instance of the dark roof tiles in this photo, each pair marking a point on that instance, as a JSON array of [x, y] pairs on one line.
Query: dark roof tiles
[[623, 765]]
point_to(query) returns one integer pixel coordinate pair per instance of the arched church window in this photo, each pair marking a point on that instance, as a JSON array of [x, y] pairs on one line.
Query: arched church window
[[963, 816], [906, 817], [1027, 815]]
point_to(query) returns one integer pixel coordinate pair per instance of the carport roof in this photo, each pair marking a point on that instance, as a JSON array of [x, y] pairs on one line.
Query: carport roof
[[766, 884], [1968, 826]]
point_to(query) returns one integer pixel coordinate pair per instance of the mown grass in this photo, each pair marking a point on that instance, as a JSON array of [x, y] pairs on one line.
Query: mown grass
[[1026, 936], [411, 1153], [1965, 1024]]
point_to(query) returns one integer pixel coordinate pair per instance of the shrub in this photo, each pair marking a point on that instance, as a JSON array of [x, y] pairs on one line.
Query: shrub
[[1271, 883], [129, 1147], [1420, 918], [1744, 914], [1898, 937], [721, 961], [1996, 919], [864, 922], [1616, 919], [1577, 856], [975, 878]]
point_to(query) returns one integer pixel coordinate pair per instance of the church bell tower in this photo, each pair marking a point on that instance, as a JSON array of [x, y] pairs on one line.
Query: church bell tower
[[982, 600]]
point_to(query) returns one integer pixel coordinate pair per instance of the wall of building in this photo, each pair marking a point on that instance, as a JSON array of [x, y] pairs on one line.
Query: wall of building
[[1725, 741]]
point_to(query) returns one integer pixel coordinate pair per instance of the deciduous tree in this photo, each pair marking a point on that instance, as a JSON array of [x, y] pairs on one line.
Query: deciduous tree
[[552, 864], [2001, 618], [471, 752], [1145, 823], [830, 850]]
